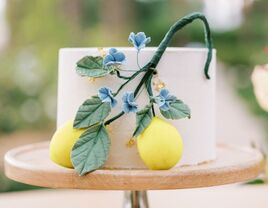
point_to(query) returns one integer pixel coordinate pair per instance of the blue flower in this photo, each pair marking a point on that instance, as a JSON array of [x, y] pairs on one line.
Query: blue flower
[[129, 104], [139, 40], [164, 99], [106, 95], [114, 57]]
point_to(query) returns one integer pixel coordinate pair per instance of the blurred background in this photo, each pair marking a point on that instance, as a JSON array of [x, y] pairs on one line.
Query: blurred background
[[31, 33]]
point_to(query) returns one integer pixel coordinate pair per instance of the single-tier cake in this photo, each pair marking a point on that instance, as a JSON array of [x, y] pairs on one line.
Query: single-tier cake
[[136, 108], [180, 70]]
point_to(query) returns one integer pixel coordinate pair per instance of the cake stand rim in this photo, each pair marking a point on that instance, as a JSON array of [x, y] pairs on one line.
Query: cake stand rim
[[126, 179]]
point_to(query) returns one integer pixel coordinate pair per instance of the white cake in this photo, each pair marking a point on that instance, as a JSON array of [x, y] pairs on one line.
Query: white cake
[[181, 69]]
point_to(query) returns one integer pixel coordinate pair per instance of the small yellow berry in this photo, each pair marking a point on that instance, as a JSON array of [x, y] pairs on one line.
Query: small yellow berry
[[158, 84], [131, 142], [109, 128], [102, 52], [91, 79]]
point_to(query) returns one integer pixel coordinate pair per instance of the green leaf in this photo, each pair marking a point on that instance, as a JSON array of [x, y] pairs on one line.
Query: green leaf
[[177, 110], [91, 150], [92, 111], [92, 66], [143, 119]]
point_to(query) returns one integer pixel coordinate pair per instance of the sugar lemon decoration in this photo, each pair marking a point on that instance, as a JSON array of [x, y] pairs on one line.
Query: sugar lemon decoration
[[160, 145], [62, 143]]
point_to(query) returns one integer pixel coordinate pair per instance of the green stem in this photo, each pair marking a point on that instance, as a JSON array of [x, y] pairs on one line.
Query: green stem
[[114, 118], [121, 76], [149, 86], [153, 111], [144, 79], [131, 78], [150, 91], [138, 59], [177, 26]]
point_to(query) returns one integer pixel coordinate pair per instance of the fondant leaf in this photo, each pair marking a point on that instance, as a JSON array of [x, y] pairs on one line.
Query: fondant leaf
[[143, 119], [177, 110], [92, 66], [92, 111], [91, 150]]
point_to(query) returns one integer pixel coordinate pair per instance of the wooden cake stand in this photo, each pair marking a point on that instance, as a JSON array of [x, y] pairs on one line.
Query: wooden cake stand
[[30, 164]]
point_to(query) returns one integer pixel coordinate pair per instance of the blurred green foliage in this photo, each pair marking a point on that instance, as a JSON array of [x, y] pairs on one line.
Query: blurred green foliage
[[9, 185], [39, 28]]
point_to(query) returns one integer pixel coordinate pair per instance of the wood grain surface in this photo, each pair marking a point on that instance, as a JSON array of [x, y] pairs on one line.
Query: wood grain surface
[[30, 164]]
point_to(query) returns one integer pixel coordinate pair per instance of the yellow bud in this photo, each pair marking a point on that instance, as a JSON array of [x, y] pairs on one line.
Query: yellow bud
[[158, 84], [109, 128], [102, 52], [131, 142], [91, 79]]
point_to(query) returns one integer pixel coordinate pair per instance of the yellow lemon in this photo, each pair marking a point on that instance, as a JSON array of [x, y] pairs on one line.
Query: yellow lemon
[[160, 145], [62, 143]]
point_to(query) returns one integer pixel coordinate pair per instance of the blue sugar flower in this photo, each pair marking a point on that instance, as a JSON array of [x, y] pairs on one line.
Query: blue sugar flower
[[129, 104], [114, 57], [139, 40], [164, 99], [106, 95]]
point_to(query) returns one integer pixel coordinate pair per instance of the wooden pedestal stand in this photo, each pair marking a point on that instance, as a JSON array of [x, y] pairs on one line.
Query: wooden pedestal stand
[[30, 164]]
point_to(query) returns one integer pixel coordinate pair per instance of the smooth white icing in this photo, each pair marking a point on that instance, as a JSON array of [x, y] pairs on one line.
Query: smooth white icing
[[181, 69]]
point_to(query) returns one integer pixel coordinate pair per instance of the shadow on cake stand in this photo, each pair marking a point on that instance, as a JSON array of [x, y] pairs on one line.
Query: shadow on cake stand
[[30, 164]]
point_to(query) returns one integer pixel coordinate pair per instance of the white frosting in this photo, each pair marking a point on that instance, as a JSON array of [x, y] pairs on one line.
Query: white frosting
[[181, 69]]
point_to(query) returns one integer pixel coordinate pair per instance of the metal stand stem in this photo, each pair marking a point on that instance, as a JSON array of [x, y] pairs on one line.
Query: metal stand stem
[[135, 199]]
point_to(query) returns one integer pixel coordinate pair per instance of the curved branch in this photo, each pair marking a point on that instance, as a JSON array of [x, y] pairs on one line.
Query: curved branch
[[118, 74], [177, 26]]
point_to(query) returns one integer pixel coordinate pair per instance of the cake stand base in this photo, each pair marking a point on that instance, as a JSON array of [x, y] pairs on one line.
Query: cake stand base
[[135, 199], [30, 164]]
